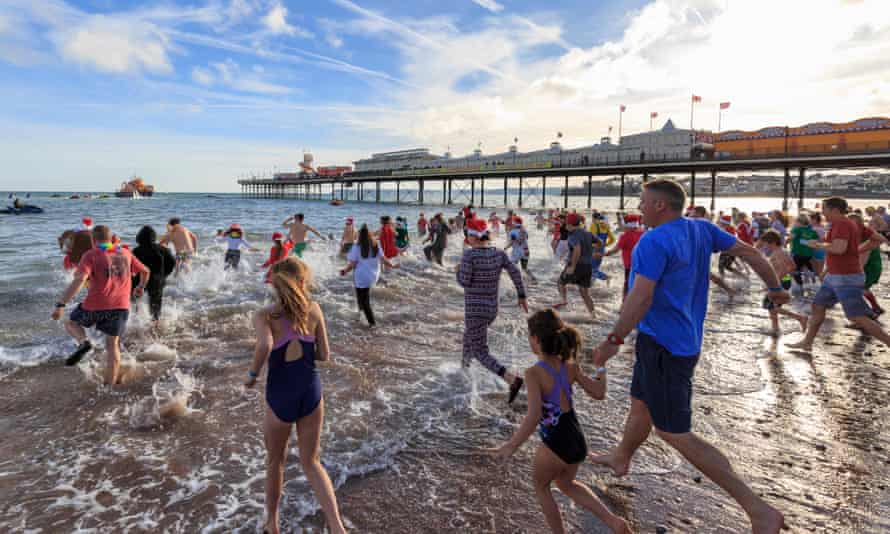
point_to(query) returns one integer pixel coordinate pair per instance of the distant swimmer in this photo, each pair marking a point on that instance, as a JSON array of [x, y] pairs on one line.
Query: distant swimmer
[[291, 336], [280, 251], [185, 243], [479, 273], [438, 239], [296, 232], [365, 258], [161, 264], [563, 447], [107, 304], [347, 239], [422, 225], [234, 240]]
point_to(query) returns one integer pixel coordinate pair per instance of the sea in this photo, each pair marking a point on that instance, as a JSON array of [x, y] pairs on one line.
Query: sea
[[178, 447]]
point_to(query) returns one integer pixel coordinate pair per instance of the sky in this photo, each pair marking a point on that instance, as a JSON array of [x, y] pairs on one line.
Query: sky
[[193, 95]]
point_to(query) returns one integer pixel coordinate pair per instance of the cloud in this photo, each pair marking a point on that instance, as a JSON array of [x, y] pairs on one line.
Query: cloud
[[276, 23], [826, 70], [114, 45], [490, 5], [202, 76]]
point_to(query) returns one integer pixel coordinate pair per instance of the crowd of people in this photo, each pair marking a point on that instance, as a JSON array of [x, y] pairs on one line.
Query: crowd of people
[[666, 256]]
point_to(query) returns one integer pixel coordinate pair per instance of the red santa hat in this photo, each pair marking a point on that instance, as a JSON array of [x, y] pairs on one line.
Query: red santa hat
[[350, 220], [477, 227], [87, 221], [235, 226], [517, 220], [725, 220], [632, 221], [573, 219], [277, 236]]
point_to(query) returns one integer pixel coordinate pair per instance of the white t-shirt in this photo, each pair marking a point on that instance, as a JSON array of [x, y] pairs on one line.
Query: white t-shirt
[[367, 270]]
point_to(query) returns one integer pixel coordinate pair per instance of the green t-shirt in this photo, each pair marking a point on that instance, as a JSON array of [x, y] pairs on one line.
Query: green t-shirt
[[799, 234], [401, 237]]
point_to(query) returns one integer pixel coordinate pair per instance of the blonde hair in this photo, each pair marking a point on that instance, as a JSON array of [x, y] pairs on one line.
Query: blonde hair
[[290, 278]]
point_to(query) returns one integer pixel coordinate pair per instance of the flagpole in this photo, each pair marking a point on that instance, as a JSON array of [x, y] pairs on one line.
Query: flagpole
[[620, 113], [691, 113], [719, 118]]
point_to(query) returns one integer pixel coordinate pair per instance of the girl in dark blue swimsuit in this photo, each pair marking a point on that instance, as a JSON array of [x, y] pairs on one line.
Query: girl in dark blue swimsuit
[[550, 408], [291, 335]]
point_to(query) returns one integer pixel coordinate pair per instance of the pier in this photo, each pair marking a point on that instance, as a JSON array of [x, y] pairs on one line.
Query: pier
[[531, 184]]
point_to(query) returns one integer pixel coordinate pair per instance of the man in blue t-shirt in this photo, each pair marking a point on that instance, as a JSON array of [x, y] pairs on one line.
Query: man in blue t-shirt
[[667, 303]]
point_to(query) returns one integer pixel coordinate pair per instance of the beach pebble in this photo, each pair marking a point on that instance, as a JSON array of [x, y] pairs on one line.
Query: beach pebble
[[697, 480], [660, 529]]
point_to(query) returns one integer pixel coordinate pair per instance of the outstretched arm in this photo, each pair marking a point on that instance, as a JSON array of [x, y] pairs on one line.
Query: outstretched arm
[[875, 241], [757, 261], [314, 231], [594, 386], [532, 416]]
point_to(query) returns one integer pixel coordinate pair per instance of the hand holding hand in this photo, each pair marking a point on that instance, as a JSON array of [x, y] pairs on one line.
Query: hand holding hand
[[138, 291], [523, 304], [57, 313], [603, 352]]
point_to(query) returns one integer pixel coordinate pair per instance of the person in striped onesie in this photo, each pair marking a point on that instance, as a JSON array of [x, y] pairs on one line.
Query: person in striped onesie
[[479, 273]]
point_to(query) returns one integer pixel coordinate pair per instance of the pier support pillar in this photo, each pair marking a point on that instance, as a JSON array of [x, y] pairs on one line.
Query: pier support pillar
[[713, 190], [621, 194], [801, 177], [520, 191], [473, 191], [449, 191], [543, 191], [589, 191], [481, 191], [692, 188], [444, 191], [785, 187], [645, 177], [505, 192], [398, 192], [565, 194], [377, 191], [341, 190], [420, 192]]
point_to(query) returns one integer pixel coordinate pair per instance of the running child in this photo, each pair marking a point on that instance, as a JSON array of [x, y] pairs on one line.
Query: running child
[[291, 335], [770, 243], [402, 237], [519, 251], [870, 256], [234, 238], [626, 243], [479, 273], [365, 258], [280, 251], [422, 225], [495, 222], [726, 262], [550, 408]]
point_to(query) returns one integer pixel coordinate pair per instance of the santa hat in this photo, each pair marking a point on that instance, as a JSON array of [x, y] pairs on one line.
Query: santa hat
[[517, 220], [277, 236], [725, 220], [573, 219], [477, 227], [235, 226], [632, 221], [85, 224], [349, 220]]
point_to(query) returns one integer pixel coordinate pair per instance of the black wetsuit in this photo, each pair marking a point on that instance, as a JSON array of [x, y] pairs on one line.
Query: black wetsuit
[[161, 263]]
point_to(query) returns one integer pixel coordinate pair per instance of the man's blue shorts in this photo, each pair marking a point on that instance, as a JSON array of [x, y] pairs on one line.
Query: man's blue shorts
[[109, 322], [664, 382], [848, 289]]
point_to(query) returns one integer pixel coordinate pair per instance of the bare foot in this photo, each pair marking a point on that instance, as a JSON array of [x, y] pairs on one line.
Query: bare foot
[[617, 462], [769, 521], [806, 347], [774, 332], [803, 323], [271, 528]]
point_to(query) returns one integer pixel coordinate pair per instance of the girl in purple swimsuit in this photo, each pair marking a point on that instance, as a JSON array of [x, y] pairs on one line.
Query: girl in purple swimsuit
[[549, 387], [291, 335]]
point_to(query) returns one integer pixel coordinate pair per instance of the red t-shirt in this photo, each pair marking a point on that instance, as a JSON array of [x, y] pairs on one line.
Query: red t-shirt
[[110, 275], [388, 242], [744, 233], [421, 223], [626, 243], [848, 262]]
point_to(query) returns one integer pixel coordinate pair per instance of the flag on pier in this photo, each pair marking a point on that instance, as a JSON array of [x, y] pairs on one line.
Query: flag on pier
[[622, 108], [696, 98], [724, 105], [653, 115], [610, 129]]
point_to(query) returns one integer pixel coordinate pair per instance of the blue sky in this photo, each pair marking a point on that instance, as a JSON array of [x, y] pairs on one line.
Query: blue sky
[[191, 95]]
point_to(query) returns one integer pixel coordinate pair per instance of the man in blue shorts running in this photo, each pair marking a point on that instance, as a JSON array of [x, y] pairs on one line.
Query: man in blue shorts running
[[667, 303]]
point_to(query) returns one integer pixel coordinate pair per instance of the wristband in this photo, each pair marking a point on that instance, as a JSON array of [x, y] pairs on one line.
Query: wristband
[[600, 370], [60, 305], [775, 289], [614, 339], [252, 374]]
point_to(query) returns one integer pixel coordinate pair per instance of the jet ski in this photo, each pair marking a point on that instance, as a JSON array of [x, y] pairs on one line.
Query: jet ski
[[26, 209]]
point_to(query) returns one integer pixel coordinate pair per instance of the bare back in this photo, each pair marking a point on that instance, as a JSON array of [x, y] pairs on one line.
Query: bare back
[[297, 232], [181, 238]]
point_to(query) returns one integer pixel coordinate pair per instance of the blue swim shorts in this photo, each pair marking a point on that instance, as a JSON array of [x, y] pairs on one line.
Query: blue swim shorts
[[847, 289], [664, 382]]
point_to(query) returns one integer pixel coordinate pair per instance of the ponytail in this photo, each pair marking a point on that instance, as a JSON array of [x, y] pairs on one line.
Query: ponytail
[[289, 278], [556, 337]]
